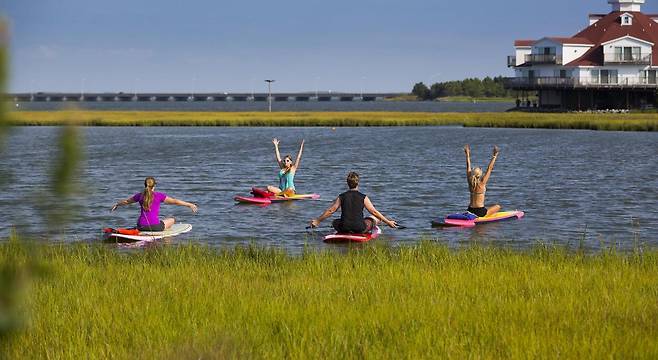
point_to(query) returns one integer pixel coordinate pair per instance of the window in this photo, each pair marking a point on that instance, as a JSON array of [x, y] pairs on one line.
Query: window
[[649, 77], [627, 53], [594, 76], [627, 20], [562, 74], [548, 51], [609, 77]]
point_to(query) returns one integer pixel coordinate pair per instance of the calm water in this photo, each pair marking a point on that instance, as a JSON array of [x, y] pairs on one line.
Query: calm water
[[423, 106], [597, 186]]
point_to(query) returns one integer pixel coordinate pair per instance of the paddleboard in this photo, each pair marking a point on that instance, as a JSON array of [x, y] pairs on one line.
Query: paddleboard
[[264, 197], [340, 238], [174, 230], [252, 200], [465, 222]]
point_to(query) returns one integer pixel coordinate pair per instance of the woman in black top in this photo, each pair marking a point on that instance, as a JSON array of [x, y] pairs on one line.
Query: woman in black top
[[351, 204]]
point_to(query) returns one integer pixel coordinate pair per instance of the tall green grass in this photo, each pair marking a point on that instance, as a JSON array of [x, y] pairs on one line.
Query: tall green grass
[[625, 122], [424, 301]]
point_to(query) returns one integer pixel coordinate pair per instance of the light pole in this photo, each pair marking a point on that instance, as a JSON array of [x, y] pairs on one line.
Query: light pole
[[82, 89], [317, 80], [269, 92], [135, 89], [193, 86], [363, 78]]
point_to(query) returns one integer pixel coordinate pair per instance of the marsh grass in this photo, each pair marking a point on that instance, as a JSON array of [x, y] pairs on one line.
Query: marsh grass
[[590, 121], [424, 301]]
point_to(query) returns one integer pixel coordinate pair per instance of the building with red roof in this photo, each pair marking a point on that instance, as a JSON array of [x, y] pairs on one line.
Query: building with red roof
[[611, 64]]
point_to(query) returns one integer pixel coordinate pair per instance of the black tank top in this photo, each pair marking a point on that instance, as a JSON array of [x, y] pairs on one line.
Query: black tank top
[[351, 211]]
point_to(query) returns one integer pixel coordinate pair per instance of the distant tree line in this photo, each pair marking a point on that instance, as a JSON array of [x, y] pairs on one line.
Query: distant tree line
[[473, 87]]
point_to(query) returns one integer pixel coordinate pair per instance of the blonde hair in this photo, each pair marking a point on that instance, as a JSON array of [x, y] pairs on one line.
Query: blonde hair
[[147, 194], [474, 179]]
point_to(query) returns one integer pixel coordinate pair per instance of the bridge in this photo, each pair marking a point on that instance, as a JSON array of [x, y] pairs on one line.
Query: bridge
[[224, 96]]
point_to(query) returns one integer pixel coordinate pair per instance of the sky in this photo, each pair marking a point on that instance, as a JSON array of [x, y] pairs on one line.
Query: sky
[[305, 45]]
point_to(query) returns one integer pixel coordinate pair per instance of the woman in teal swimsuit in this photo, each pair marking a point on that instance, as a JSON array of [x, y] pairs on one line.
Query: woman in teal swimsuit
[[287, 171]]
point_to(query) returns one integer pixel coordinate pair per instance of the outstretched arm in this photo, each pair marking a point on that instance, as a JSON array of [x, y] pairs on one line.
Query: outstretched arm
[[299, 155], [330, 210], [122, 203], [275, 141], [467, 150], [371, 209], [172, 201], [496, 150]]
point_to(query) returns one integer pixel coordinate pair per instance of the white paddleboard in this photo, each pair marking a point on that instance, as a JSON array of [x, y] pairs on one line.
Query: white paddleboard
[[174, 230]]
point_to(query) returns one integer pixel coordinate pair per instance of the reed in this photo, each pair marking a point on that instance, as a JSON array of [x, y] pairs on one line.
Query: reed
[[623, 122], [423, 301]]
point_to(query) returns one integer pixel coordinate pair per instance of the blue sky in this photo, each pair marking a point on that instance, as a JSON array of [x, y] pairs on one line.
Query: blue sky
[[216, 45]]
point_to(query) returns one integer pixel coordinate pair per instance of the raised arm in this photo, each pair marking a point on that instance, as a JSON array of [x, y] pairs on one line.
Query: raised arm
[[496, 150], [330, 210], [299, 155], [172, 201], [122, 203], [275, 141], [371, 209], [467, 151]]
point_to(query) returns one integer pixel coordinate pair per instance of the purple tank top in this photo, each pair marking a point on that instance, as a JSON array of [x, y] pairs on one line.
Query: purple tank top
[[150, 217]]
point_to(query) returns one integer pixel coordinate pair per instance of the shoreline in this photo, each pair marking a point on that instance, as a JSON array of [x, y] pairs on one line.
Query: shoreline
[[587, 121]]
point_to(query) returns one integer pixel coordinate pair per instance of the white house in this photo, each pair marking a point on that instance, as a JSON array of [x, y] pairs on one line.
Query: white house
[[610, 64]]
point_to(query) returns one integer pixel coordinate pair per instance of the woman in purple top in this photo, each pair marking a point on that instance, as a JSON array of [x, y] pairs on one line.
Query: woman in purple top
[[150, 201]]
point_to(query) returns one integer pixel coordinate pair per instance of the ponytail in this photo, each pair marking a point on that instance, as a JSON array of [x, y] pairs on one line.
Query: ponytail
[[473, 182], [147, 194], [474, 179]]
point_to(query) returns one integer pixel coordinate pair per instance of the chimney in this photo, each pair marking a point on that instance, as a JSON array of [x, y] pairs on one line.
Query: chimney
[[626, 5]]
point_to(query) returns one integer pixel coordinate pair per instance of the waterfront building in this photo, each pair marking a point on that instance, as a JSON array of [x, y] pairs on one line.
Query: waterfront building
[[611, 64]]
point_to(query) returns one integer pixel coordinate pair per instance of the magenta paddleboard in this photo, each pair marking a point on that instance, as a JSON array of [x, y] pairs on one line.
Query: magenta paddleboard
[[252, 200], [340, 238], [264, 197], [499, 216]]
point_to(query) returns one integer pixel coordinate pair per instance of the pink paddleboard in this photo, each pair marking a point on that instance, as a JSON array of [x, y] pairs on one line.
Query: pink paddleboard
[[499, 216], [264, 197], [340, 238], [252, 200]]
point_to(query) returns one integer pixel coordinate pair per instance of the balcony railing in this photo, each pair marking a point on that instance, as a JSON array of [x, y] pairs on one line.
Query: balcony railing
[[617, 58], [600, 82], [543, 59], [511, 61]]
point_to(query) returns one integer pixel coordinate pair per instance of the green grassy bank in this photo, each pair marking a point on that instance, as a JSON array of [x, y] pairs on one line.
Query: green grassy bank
[[412, 302], [627, 122]]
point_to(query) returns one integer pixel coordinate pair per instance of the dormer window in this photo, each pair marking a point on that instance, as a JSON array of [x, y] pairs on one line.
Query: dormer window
[[626, 19]]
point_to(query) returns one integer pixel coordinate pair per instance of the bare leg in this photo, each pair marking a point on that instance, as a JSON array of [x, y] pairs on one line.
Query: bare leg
[[376, 221], [273, 189], [492, 210], [288, 192], [371, 222], [168, 222]]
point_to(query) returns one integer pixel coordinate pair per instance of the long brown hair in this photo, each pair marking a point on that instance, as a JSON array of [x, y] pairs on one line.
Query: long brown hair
[[147, 194]]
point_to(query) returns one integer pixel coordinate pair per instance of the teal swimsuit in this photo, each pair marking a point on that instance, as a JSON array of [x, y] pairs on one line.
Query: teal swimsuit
[[286, 180]]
